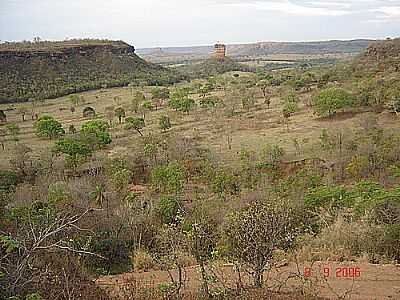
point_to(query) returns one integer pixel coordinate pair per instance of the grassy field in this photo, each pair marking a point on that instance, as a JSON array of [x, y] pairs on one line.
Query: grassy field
[[211, 128]]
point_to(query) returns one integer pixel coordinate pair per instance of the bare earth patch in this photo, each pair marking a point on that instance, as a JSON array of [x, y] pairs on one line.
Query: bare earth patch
[[375, 282]]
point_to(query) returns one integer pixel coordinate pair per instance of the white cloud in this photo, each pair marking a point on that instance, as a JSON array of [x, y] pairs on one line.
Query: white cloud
[[183, 22], [388, 12], [291, 8]]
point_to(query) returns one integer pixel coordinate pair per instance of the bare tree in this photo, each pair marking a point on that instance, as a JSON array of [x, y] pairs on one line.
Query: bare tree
[[41, 229], [255, 232]]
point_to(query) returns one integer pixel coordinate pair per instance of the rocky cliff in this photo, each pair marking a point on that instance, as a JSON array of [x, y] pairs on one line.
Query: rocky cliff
[[382, 50], [52, 69]]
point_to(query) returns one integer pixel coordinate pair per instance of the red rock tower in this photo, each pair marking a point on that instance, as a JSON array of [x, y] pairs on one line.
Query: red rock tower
[[219, 51]]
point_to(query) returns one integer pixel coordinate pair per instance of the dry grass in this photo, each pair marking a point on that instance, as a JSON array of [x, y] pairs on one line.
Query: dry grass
[[251, 130]]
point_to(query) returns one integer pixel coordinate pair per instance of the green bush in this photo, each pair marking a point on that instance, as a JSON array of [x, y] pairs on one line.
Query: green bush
[[8, 180], [95, 133], [165, 122], [168, 207], [169, 178], [115, 252], [336, 196], [224, 183], [47, 126], [331, 100]]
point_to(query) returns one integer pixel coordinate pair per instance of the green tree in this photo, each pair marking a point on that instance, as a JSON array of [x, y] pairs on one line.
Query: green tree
[[272, 156], [95, 133], [121, 178], [146, 105], [290, 106], [330, 100], [169, 178], [159, 94], [201, 239], [75, 149], [225, 184], [165, 123], [180, 101], [47, 126], [119, 113], [137, 100], [169, 207], [135, 123], [98, 195]]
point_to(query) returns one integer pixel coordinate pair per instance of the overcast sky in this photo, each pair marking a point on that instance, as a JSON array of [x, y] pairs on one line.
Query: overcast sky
[[158, 23]]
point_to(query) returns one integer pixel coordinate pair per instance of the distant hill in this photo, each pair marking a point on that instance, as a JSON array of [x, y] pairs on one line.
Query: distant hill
[[261, 49], [52, 69]]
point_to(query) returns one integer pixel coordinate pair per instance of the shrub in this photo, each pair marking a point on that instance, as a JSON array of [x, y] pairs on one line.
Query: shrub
[[114, 251], [8, 180], [47, 126], [255, 232], [325, 196], [74, 148], [142, 261], [169, 207], [169, 178], [135, 123], [224, 183], [57, 192], [95, 133], [341, 241], [330, 100], [165, 122]]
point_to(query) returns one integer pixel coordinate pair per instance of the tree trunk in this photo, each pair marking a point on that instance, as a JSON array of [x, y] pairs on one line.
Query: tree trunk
[[258, 278], [204, 279]]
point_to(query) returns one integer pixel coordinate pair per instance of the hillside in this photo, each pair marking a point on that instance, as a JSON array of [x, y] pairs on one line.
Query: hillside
[[378, 65], [261, 49], [52, 69], [267, 48]]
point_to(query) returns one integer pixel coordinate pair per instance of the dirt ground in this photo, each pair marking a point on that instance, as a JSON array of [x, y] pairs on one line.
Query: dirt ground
[[380, 282]]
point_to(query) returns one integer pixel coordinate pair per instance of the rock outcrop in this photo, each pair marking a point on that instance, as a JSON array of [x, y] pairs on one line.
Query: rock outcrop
[[52, 69], [386, 49]]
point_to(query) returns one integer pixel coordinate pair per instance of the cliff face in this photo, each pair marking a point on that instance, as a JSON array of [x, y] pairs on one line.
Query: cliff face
[[380, 57], [54, 69], [383, 50]]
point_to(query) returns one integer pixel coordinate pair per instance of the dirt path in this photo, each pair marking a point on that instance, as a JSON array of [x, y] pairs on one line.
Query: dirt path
[[348, 280]]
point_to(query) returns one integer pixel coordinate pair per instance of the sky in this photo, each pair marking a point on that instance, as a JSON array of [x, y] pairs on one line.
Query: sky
[[161, 23]]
